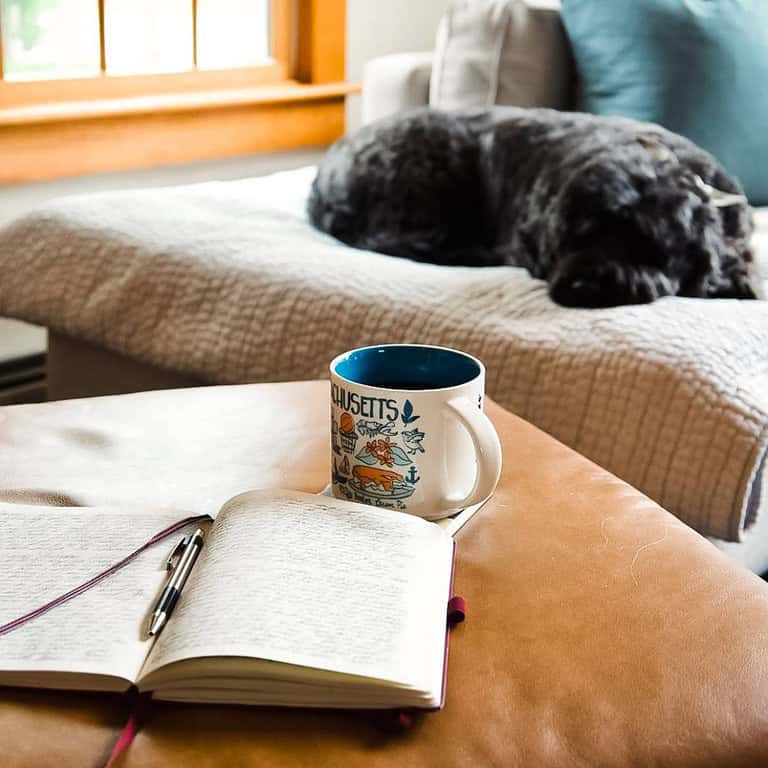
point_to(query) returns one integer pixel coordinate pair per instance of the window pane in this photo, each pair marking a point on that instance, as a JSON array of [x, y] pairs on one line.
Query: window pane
[[148, 36], [44, 39], [232, 33]]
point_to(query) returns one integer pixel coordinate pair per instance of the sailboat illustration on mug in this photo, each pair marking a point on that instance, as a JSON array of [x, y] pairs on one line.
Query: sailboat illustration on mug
[[341, 474]]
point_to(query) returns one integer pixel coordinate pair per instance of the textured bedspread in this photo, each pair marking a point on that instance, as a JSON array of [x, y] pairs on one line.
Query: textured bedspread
[[227, 281]]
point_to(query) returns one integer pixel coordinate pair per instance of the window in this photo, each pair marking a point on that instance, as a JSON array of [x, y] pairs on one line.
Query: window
[[88, 86], [65, 50], [49, 38]]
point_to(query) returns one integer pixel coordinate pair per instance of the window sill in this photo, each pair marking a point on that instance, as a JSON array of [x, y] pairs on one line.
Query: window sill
[[283, 93], [80, 138]]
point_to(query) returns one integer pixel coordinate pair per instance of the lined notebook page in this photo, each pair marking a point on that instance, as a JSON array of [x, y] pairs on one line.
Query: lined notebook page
[[45, 551], [317, 582]]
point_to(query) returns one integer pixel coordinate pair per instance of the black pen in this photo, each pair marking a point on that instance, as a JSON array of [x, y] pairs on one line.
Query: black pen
[[190, 547]]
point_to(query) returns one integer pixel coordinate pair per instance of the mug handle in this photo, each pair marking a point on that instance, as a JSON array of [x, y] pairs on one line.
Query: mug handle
[[487, 449]]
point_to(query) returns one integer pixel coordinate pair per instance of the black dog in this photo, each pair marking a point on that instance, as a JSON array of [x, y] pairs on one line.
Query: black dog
[[607, 210]]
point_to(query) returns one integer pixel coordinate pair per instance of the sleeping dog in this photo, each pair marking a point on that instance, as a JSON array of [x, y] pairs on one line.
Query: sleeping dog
[[607, 210]]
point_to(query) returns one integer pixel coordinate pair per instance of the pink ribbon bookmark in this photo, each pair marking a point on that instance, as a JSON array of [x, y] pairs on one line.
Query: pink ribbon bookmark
[[67, 596]]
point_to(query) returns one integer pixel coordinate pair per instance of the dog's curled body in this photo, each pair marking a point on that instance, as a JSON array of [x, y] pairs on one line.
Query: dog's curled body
[[606, 210]]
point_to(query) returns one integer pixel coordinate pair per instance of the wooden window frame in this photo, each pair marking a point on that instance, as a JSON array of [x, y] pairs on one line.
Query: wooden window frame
[[116, 122], [283, 13]]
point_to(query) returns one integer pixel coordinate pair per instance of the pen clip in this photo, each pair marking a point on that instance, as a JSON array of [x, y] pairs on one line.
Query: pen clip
[[176, 553]]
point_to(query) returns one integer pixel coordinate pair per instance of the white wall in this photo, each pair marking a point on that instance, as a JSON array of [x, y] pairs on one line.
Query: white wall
[[378, 27]]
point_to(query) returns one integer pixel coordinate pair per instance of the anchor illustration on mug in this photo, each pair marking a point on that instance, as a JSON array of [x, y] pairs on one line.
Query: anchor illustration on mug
[[412, 477]]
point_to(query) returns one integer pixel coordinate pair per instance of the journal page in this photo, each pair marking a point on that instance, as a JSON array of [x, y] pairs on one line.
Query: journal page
[[321, 583], [45, 552]]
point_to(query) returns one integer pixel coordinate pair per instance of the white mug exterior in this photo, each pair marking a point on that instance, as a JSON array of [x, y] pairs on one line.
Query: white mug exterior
[[428, 452]]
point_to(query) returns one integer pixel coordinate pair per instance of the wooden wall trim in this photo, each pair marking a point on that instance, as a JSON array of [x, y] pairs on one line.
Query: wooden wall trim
[[321, 39], [285, 92]]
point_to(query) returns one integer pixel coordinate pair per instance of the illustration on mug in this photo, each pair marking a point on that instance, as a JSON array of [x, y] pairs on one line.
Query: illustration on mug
[[347, 432], [381, 487], [412, 439], [340, 473], [383, 451], [384, 475], [370, 428]]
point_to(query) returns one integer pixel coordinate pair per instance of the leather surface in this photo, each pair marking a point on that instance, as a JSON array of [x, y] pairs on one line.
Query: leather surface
[[191, 449], [600, 630]]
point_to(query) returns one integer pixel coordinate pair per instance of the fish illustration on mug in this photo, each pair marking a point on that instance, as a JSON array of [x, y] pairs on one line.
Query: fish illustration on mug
[[370, 428], [412, 439]]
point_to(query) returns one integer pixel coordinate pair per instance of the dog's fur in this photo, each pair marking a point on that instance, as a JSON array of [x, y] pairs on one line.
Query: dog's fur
[[607, 210]]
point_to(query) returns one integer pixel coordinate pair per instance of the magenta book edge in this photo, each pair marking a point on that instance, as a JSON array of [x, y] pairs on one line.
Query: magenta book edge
[[448, 627]]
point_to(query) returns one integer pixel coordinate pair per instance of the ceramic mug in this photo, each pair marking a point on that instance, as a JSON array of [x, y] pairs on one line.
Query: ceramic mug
[[408, 430]]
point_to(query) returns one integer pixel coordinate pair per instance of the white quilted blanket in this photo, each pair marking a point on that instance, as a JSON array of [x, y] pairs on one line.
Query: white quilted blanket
[[228, 281]]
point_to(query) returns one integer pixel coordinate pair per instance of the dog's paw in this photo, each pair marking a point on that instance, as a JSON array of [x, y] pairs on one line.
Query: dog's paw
[[740, 287], [592, 284], [579, 292], [739, 278]]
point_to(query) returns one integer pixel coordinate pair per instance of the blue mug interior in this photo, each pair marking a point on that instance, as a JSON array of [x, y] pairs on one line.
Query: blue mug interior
[[403, 366]]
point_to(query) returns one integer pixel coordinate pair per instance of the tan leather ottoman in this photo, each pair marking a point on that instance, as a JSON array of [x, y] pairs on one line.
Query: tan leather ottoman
[[601, 631]]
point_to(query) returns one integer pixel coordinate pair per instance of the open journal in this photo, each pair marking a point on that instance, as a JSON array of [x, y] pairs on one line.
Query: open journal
[[296, 600]]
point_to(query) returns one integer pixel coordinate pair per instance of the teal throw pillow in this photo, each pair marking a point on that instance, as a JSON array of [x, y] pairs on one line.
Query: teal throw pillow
[[697, 67]]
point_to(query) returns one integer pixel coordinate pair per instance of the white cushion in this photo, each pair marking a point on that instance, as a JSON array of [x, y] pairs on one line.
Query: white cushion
[[395, 83], [511, 52]]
